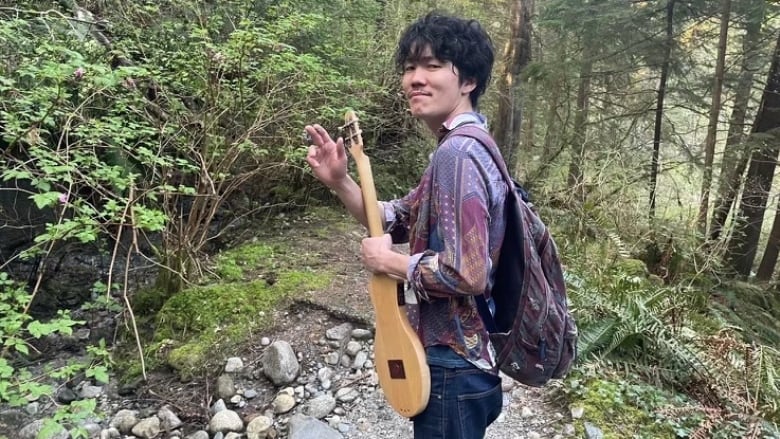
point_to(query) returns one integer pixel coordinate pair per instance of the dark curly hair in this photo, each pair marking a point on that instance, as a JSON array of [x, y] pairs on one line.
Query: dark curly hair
[[462, 42]]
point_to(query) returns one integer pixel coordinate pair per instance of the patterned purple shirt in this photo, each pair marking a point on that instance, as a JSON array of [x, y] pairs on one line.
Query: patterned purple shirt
[[454, 223]]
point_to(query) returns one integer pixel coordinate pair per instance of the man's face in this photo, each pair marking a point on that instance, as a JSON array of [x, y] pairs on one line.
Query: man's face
[[434, 90]]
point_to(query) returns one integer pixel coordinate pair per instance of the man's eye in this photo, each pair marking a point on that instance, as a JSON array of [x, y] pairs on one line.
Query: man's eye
[[434, 66], [408, 68]]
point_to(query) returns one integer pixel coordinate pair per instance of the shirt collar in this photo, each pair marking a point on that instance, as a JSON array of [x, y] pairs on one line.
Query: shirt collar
[[462, 119]]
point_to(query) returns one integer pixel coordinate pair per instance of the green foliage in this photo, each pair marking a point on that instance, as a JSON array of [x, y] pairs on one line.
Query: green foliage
[[624, 406], [667, 336], [18, 384], [16, 324]]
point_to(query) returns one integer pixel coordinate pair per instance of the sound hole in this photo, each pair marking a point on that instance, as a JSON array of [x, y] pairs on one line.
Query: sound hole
[[397, 371]]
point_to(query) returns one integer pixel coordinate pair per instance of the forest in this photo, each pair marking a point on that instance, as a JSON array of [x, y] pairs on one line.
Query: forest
[[145, 135]]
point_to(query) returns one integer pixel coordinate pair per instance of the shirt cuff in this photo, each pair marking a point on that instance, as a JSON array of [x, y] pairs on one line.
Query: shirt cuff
[[389, 214], [415, 281]]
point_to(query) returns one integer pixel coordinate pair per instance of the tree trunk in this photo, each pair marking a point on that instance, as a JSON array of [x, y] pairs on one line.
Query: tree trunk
[[517, 53], [767, 267], [659, 110], [744, 244], [576, 179], [712, 127], [737, 151], [528, 138]]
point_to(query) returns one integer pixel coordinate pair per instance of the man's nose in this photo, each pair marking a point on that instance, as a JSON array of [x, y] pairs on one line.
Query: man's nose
[[417, 76]]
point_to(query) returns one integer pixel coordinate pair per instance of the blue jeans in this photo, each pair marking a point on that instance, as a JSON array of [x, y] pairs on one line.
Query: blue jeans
[[464, 399]]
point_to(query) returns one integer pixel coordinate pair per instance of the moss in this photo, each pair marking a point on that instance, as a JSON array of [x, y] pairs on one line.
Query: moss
[[199, 323], [231, 264], [622, 409]]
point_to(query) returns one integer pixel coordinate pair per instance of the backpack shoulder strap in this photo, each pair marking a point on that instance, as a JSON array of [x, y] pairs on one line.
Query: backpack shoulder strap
[[482, 136], [478, 133]]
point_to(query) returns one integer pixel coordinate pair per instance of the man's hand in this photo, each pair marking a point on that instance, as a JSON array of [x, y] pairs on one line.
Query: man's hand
[[376, 253], [327, 158]]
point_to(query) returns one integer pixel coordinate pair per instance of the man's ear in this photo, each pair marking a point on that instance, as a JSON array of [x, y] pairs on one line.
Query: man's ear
[[468, 85]]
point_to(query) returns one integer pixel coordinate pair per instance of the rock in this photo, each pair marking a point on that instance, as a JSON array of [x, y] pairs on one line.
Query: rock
[[320, 406], [218, 406], [31, 430], [232, 435], [147, 428], [200, 434], [168, 419], [259, 427], [283, 403], [250, 393], [332, 358], [234, 364], [533, 435], [526, 412], [90, 392], [32, 408], [577, 412], [361, 334], [280, 364], [66, 395], [265, 341], [306, 427], [347, 394], [352, 348], [569, 430], [340, 332], [360, 360], [225, 386], [124, 421], [225, 421], [593, 432]]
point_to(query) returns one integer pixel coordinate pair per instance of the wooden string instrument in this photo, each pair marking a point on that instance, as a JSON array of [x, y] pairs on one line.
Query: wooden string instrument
[[399, 356]]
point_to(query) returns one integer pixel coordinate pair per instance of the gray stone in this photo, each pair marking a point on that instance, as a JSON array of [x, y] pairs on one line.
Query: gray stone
[[283, 403], [124, 421], [147, 428], [66, 395], [168, 419], [593, 432], [361, 334], [110, 433], [259, 427], [225, 386], [233, 435], [347, 394], [332, 358], [320, 406], [225, 421], [250, 393], [306, 427], [234, 364], [280, 364], [352, 348], [90, 392], [360, 360], [32, 408], [218, 406], [200, 434], [31, 430], [340, 332]]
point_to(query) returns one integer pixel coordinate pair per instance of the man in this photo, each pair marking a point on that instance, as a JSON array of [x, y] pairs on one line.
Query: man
[[453, 219]]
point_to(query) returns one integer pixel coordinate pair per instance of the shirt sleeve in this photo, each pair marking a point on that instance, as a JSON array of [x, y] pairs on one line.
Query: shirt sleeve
[[397, 217], [457, 261]]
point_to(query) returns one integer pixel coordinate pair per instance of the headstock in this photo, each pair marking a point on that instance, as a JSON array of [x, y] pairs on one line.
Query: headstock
[[352, 134]]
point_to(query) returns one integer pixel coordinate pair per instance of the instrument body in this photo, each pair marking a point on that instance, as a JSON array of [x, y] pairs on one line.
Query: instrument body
[[399, 355]]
